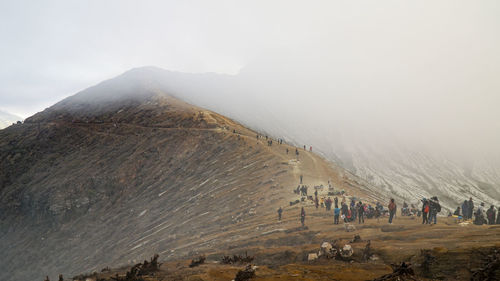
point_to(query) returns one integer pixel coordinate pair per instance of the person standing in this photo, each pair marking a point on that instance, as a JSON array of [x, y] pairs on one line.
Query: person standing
[[392, 210], [280, 211], [491, 214], [300, 179], [336, 214], [345, 211], [435, 208], [470, 208], [361, 212], [425, 211], [465, 210], [303, 217], [328, 204]]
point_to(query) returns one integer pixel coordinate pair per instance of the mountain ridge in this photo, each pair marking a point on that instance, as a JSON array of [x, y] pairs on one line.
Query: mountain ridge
[[83, 185]]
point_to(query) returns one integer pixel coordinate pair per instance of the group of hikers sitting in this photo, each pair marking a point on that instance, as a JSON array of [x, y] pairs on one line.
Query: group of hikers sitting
[[480, 216]]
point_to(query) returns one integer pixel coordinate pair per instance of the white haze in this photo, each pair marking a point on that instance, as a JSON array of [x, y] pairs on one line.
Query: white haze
[[383, 77]]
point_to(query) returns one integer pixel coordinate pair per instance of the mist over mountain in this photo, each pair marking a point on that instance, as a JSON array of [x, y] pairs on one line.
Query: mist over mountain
[[6, 119], [137, 164], [413, 148], [125, 169]]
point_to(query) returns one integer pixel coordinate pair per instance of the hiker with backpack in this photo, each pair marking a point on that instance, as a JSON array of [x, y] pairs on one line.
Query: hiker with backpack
[[392, 210], [435, 208]]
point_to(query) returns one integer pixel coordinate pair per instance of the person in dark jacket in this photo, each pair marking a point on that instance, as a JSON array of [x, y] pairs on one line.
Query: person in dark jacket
[[392, 210], [280, 211], [491, 214], [457, 212], [361, 212], [465, 209], [498, 219], [435, 208], [328, 204], [470, 208], [303, 217], [345, 211]]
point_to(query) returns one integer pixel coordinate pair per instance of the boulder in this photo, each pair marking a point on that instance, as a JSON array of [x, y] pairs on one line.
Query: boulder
[[312, 257], [347, 251], [349, 227]]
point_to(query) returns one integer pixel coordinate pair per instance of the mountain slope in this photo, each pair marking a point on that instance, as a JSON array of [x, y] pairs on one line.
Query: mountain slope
[[392, 166], [123, 170]]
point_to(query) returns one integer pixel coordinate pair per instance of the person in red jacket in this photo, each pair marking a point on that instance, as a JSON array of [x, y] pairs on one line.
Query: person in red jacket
[[425, 211], [392, 210]]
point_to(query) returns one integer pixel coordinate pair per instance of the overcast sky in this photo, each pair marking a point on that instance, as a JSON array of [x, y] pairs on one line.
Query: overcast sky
[[433, 62]]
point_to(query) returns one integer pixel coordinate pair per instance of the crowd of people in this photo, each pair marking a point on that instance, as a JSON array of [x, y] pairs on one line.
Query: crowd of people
[[357, 211], [479, 216]]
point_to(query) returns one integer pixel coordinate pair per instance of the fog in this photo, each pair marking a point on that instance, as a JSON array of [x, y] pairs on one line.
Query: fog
[[391, 77]]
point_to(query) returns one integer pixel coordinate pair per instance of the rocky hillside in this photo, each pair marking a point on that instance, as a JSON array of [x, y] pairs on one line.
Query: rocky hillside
[[123, 170]]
